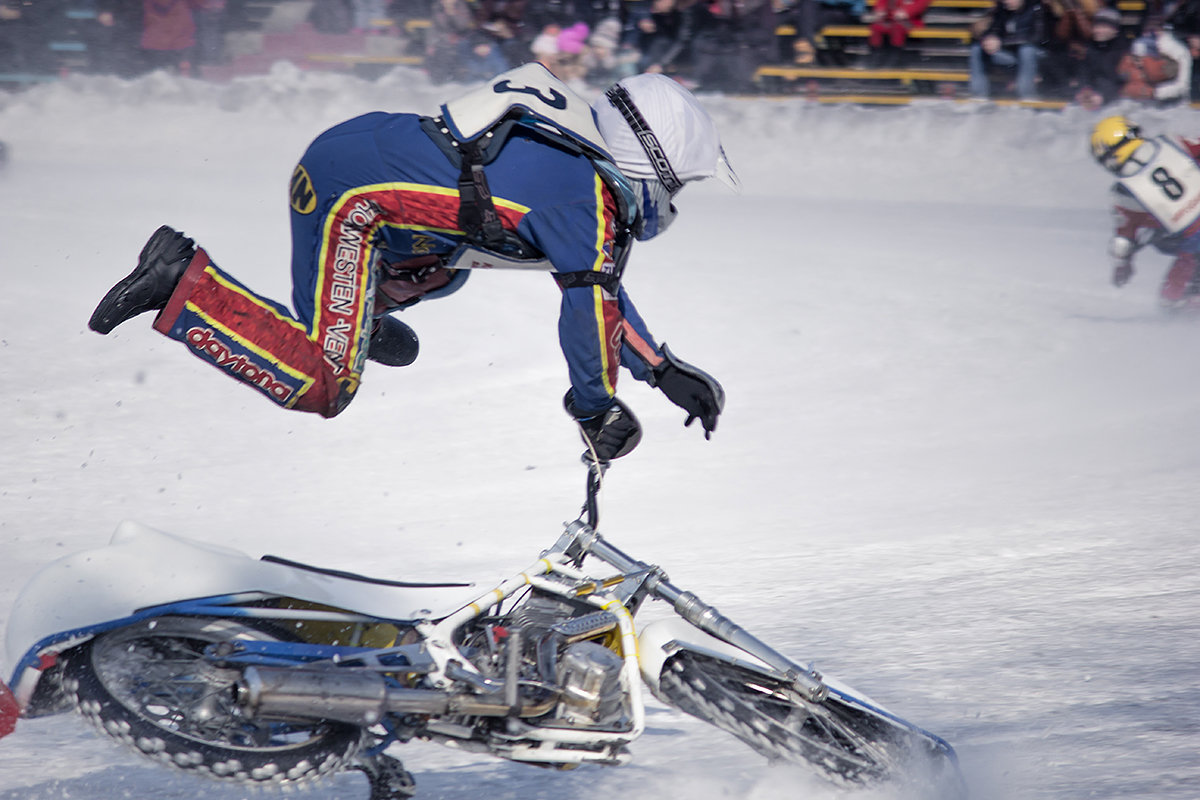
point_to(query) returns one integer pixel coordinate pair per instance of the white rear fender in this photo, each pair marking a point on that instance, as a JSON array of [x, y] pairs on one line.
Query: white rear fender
[[143, 567]]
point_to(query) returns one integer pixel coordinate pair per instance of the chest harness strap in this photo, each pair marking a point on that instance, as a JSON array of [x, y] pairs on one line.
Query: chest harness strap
[[480, 223], [476, 211]]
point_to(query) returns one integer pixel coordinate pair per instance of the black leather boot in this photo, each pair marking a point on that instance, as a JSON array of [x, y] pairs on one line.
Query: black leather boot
[[393, 343], [160, 266]]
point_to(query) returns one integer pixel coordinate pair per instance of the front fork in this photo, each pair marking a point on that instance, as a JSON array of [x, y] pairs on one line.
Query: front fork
[[580, 539]]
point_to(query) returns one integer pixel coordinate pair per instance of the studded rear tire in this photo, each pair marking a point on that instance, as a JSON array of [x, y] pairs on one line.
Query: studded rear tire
[[151, 687]]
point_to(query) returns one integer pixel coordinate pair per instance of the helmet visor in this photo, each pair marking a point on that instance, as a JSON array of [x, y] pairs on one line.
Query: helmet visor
[[725, 174], [1138, 154]]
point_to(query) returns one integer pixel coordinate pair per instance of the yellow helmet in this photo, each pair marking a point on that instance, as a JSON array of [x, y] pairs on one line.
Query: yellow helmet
[[1114, 140]]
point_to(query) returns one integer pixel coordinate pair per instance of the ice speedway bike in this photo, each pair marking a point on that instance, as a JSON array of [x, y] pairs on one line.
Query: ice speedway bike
[[274, 673]]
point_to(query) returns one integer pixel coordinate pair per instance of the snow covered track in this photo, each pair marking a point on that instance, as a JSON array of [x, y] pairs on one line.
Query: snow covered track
[[956, 468]]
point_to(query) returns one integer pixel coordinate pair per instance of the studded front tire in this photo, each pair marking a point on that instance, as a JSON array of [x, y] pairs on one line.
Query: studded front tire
[[839, 739], [151, 687]]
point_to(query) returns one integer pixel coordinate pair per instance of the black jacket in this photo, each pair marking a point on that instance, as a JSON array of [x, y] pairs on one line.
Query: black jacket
[[1026, 25], [1099, 68]]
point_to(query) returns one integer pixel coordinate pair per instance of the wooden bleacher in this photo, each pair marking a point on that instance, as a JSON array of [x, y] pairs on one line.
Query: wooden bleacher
[[935, 60], [257, 34], [960, 35], [935, 65], [814, 82], [282, 35], [409, 51]]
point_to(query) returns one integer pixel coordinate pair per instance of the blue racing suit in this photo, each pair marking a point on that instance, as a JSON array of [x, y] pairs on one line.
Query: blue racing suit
[[374, 217]]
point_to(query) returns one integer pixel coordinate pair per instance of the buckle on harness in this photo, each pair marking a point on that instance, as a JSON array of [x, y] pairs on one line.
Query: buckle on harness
[[609, 281]]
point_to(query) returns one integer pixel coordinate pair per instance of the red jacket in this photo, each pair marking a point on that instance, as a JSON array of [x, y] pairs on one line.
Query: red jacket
[[886, 10], [168, 24]]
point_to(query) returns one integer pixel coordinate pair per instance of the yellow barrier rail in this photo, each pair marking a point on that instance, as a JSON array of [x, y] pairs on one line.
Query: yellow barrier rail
[[861, 31], [849, 73]]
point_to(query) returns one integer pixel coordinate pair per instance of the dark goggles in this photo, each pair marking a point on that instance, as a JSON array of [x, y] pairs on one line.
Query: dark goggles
[[1131, 135]]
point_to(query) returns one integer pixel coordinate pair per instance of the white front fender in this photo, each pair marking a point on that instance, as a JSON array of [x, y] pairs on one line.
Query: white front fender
[[663, 638]]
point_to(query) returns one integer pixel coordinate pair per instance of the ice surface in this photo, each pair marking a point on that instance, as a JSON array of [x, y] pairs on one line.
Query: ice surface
[[956, 469]]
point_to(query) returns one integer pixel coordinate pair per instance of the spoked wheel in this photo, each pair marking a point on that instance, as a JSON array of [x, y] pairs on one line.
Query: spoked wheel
[[846, 743], [151, 687]]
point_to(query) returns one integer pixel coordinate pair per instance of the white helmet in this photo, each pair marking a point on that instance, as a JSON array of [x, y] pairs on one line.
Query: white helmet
[[661, 137]]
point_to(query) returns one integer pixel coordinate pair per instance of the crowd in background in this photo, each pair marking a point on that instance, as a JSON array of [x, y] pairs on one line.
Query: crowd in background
[[1087, 51], [118, 37], [1080, 50], [716, 45]]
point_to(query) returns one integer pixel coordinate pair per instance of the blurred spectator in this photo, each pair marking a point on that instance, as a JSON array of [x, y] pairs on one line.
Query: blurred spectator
[[1100, 80], [114, 41], [540, 13], [12, 53], [545, 46], [210, 31], [596, 11], [502, 26], [808, 17], [456, 50], [665, 35], [368, 15], [573, 39], [572, 42], [561, 50], [24, 40], [1183, 17], [168, 34], [608, 60], [732, 38], [631, 14], [1070, 29], [1157, 67], [606, 33], [334, 16], [1193, 45], [890, 21], [1012, 38]]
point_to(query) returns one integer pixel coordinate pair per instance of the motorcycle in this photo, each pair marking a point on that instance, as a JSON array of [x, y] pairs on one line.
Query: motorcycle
[[274, 673]]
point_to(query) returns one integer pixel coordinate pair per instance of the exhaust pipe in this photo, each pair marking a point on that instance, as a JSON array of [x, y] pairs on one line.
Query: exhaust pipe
[[358, 697]]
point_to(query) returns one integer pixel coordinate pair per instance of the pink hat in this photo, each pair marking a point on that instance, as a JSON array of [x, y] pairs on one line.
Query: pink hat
[[571, 40]]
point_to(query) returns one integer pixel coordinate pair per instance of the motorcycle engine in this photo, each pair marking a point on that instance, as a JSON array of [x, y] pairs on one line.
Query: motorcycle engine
[[587, 674], [590, 681]]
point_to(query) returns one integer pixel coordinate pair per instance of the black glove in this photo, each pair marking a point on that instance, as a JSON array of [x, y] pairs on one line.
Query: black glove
[[611, 433], [1122, 272], [692, 389]]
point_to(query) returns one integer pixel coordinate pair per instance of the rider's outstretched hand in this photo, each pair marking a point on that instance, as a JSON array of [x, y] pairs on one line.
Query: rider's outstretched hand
[[692, 389], [611, 433]]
